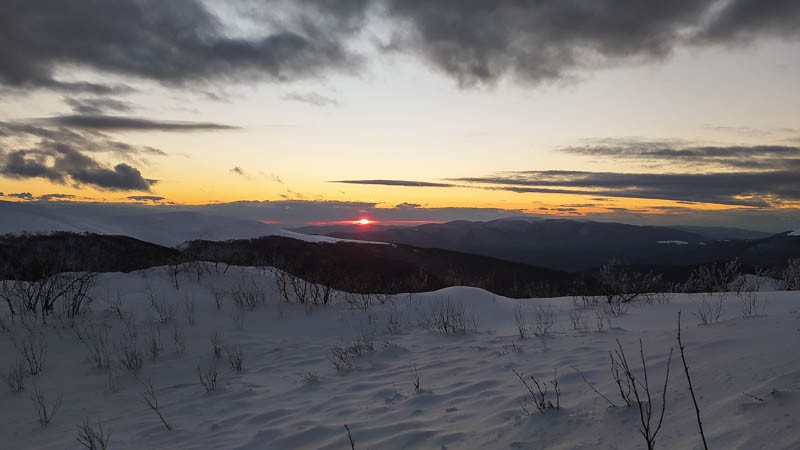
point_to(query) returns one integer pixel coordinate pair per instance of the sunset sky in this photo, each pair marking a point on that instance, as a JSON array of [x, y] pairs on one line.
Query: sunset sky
[[652, 112]]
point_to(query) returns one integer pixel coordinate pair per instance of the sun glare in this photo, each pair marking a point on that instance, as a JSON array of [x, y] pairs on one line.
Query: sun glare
[[364, 221]]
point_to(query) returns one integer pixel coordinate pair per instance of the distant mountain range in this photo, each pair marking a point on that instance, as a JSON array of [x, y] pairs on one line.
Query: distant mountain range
[[573, 245]]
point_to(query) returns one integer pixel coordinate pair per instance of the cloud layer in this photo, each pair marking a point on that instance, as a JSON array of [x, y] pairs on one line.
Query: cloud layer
[[181, 42]]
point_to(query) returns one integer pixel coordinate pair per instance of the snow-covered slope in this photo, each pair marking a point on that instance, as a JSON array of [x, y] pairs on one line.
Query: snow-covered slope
[[745, 372], [795, 233], [169, 228]]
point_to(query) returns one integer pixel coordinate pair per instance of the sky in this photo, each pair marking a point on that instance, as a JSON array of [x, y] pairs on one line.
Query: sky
[[645, 112]]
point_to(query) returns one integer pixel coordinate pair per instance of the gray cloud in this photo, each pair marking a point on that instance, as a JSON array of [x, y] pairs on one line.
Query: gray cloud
[[533, 41], [406, 205], [759, 157], [175, 42], [311, 98], [759, 189], [395, 183], [51, 197], [146, 198], [183, 42], [97, 105], [238, 171], [21, 195], [62, 156], [123, 123]]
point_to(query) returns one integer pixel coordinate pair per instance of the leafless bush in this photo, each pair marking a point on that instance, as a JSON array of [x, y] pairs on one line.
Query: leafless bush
[[544, 319], [790, 278], [208, 376], [309, 376], [39, 299], [219, 297], [132, 358], [415, 378], [248, 294], [615, 308], [577, 321], [521, 321], [165, 311], [235, 358], [343, 355], [150, 399], [188, 310], [752, 304], [619, 284], [447, 317], [708, 307], [602, 320], [33, 349], [650, 425], [15, 376], [44, 410], [92, 438], [216, 345], [178, 341], [154, 348], [394, 320], [115, 305], [112, 379], [96, 340], [173, 272], [538, 391], [715, 278], [584, 301]]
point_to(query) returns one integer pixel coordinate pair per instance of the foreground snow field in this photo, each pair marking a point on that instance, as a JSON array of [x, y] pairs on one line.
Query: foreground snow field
[[746, 371]]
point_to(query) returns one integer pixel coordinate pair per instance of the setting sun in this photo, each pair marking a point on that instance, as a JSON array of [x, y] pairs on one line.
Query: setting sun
[[364, 221]]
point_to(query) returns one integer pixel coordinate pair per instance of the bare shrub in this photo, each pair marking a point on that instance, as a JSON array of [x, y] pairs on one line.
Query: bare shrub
[[216, 345], [708, 307], [150, 399], [95, 337], [112, 379], [343, 355], [521, 321], [91, 437], [248, 294], [15, 376], [752, 304], [132, 358], [309, 376], [602, 321], [689, 382], [715, 278], [34, 350], [415, 378], [235, 357], [154, 347], [189, 310], [178, 341], [165, 311], [650, 424], [394, 320], [45, 410], [115, 305], [577, 321], [447, 317], [790, 278], [584, 301], [544, 319], [539, 393], [208, 376], [620, 284]]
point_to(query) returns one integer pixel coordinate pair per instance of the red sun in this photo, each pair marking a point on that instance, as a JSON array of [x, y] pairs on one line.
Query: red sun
[[364, 221]]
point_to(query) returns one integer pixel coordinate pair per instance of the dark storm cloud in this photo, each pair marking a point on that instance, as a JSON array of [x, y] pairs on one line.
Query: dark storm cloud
[[64, 156], [96, 105], [534, 41], [395, 183], [406, 205], [123, 123], [181, 42], [761, 189], [311, 98], [51, 197], [759, 157], [173, 42]]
